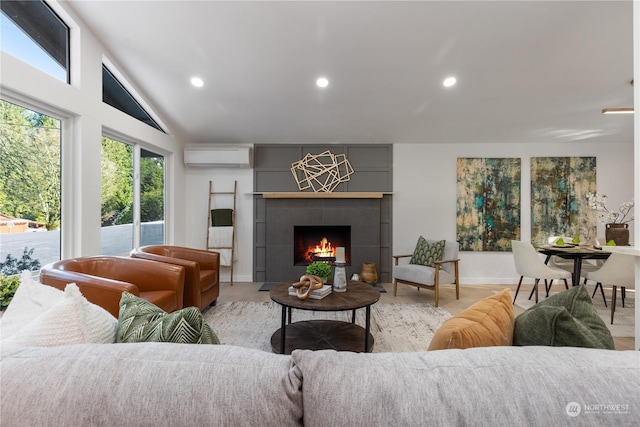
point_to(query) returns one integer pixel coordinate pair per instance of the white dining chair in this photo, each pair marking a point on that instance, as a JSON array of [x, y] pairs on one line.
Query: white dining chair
[[529, 264], [617, 270]]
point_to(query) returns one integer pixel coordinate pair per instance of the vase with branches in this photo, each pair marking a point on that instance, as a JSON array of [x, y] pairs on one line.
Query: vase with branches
[[617, 231], [598, 202]]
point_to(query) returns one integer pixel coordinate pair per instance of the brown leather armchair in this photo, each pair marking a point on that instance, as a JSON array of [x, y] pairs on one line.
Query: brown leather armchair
[[202, 271], [102, 279]]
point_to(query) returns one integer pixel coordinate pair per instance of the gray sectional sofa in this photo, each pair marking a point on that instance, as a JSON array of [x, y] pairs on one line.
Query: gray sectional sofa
[[162, 384]]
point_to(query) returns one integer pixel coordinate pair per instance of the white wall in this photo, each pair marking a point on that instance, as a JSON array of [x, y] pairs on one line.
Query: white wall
[[424, 194], [424, 199], [197, 198]]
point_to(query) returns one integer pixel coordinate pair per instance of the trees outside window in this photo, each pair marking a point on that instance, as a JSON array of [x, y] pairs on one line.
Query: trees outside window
[[118, 217], [151, 198], [30, 198]]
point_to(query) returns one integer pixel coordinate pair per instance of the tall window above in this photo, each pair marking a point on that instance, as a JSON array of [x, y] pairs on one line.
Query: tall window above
[[33, 33], [114, 94]]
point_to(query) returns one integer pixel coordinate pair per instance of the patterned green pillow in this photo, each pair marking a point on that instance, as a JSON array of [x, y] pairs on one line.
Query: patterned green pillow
[[141, 321], [427, 252]]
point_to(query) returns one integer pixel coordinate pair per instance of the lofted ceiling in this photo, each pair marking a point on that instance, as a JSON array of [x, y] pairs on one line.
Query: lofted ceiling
[[527, 71]]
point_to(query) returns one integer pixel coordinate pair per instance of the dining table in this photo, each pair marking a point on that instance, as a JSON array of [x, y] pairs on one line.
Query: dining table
[[577, 253]]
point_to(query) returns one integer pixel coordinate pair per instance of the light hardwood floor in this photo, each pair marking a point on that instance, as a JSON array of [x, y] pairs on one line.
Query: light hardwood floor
[[469, 294]]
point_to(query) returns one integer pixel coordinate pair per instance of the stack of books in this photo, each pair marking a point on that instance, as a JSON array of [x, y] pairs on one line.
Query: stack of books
[[317, 294]]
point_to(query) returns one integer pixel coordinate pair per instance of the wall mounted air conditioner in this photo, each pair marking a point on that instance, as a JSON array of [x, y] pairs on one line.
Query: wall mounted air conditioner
[[218, 157]]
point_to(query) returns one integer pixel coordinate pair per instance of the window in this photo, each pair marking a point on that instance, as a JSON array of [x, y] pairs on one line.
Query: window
[[114, 94], [30, 201], [33, 33], [151, 198], [121, 206], [117, 197]]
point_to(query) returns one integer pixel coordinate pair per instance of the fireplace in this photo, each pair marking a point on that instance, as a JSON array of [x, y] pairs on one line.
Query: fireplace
[[368, 221], [319, 242], [364, 203]]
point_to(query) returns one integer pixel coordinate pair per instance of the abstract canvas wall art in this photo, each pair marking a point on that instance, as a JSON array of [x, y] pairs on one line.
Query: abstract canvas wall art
[[488, 203], [559, 207]]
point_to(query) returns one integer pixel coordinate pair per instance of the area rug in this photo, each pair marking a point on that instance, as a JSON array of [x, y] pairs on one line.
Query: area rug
[[623, 320], [395, 327]]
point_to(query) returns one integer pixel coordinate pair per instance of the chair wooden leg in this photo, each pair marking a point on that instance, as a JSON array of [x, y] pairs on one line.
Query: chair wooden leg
[[623, 292], [517, 289], [548, 288], [566, 285], [436, 283], [613, 302], [395, 287], [535, 289], [599, 285], [457, 281]]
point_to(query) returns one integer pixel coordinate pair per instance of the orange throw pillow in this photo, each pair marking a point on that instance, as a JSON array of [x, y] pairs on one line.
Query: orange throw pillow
[[489, 322]]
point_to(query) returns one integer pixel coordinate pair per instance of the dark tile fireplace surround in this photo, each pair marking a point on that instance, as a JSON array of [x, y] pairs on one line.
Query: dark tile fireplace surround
[[367, 219]]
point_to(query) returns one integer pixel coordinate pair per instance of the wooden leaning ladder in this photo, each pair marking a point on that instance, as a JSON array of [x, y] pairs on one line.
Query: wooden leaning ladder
[[212, 196]]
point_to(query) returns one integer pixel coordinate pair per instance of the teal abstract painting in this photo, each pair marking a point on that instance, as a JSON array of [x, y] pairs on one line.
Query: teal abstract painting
[[488, 203], [559, 207]]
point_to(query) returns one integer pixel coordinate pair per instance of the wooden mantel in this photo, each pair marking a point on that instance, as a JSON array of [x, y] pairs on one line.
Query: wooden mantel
[[322, 195]]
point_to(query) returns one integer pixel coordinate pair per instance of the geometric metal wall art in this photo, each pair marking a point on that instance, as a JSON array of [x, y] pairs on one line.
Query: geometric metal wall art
[[321, 172], [488, 203]]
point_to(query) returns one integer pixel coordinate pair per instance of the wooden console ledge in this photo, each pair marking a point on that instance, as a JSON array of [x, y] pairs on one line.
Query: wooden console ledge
[[310, 195]]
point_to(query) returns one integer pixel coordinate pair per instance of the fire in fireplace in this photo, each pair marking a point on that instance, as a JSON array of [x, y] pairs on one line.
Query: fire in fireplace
[[319, 242]]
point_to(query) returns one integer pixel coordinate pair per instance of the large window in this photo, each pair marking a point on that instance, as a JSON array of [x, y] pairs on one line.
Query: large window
[[132, 211], [117, 197], [33, 33], [30, 202], [151, 198]]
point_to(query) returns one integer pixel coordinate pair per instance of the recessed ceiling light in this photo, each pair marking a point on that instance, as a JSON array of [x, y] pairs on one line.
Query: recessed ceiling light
[[449, 81], [322, 82], [197, 81]]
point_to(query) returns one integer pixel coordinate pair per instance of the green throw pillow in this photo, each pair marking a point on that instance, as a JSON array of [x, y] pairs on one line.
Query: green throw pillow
[[142, 321], [427, 252], [567, 319]]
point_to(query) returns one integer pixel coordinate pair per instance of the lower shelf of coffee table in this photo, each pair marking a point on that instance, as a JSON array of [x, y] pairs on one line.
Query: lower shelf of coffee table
[[322, 335]]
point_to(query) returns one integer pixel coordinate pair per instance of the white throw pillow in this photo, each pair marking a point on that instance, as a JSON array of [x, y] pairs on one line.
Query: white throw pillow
[[65, 318], [30, 300]]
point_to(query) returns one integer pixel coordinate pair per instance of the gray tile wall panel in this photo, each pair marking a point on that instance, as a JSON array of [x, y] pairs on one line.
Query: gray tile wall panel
[[275, 156], [370, 181], [272, 180], [366, 157], [370, 219]]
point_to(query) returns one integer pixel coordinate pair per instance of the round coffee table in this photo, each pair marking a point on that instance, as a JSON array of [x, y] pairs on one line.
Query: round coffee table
[[325, 334]]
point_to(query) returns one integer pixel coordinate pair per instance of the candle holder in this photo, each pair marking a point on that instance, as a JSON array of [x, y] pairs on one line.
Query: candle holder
[[340, 277]]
